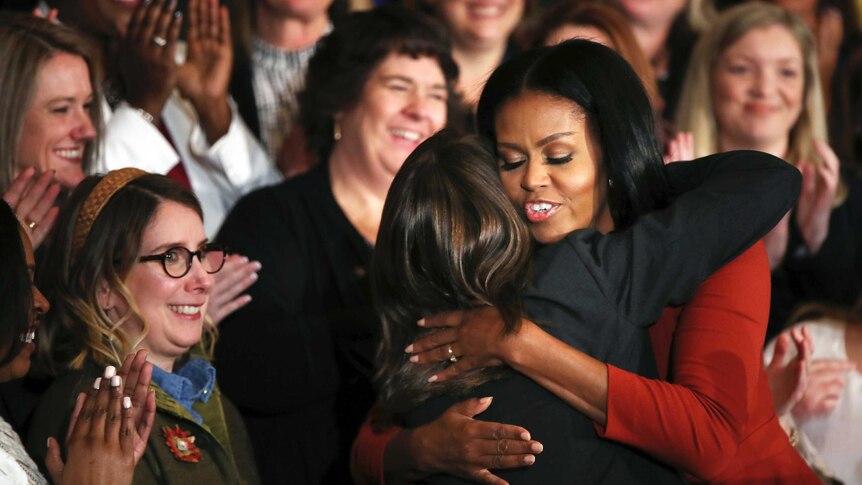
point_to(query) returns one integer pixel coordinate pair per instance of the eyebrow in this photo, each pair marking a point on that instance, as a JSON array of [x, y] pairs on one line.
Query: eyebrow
[[544, 141], [166, 246], [398, 77]]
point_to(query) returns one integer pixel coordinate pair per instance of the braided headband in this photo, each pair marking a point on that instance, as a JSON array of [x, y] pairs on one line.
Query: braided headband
[[96, 200]]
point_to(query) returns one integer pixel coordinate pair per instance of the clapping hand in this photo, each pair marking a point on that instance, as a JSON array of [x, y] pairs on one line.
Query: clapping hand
[[148, 55], [205, 76], [819, 186], [32, 199]]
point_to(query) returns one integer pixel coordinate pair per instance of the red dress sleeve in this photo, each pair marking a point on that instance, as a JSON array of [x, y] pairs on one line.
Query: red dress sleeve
[[717, 396], [366, 456]]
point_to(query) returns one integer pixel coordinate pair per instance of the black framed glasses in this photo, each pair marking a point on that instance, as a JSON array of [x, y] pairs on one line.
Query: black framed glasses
[[178, 261]]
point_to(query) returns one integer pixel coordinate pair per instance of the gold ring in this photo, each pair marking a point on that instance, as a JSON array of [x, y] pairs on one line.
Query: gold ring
[[31, 225]]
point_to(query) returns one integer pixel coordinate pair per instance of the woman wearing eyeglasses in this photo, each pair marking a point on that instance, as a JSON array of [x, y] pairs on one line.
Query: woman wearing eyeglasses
[[129, 267]]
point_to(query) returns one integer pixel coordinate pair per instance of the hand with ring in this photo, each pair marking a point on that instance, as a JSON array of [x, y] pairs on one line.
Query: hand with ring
[[148, 55], [468, 339], [32, 198]]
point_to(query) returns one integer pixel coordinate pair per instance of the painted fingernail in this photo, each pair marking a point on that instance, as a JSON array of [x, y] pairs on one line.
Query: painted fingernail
[[536, 447], [414, 359], [127, 402], [253, 277], [486, 399], [529, 459], [115, 381], [525, 436], [48, 444], [110, 372], [421, 322], [432, 378], [97, 383], [243, 259], [257, 266], [409, 349]]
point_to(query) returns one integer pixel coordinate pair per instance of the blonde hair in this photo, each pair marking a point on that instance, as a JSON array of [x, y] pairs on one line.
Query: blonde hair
[[26, 44], [696, 111]]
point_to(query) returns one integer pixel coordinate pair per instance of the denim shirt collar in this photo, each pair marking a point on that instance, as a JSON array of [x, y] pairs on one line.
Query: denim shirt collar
[[192, 382]]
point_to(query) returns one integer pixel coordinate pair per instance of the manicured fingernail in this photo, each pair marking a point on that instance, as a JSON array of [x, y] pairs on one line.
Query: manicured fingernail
[[253, 276], [432, 378], [421, 322], [414, 358], [97, 383], [529, 459], [127, 402], [536, 447], [409, 349], [525, 436], [115, 381], [257, 266], [48, 444], [486, 400], [110, 372]]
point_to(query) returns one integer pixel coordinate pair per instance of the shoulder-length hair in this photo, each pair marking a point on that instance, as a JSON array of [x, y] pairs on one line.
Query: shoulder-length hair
[[26, 44], [609, 93], [16, 292], [348, 55], [77, 325], [449, 239], [696, 112], [607, 19]]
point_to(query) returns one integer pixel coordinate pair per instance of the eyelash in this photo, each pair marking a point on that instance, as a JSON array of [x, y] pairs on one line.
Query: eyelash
[[509, 166], [559, 160]]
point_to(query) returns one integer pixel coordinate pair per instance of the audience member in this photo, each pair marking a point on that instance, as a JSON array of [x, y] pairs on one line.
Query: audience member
[[168, 118], [106, 434], [129, 268], [753, 84], [49, 119], [298, 359], [829, 412]]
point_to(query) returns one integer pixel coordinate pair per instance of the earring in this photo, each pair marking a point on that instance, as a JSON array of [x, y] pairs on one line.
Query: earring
[[610, 183], [336, 130]]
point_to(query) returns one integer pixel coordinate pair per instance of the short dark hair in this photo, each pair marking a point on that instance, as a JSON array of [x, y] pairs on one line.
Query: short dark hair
[[617, 108], [449, 239], [16, 293], [345, 59]]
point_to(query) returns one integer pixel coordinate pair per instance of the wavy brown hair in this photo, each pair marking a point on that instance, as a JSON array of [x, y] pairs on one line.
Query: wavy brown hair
[[78, 327], [449, 239]]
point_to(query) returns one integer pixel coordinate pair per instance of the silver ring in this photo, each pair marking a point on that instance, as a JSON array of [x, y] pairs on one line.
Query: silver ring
[[452, 357], [160, 41]]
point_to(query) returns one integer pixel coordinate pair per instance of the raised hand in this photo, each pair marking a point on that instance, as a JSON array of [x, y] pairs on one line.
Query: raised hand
[[788, 378], [148, 55], [205, 76], [100, 444], [680, 148], [32, 199], [819, 186], [457, 444], [236, 276], [136, 373], [826, 380]]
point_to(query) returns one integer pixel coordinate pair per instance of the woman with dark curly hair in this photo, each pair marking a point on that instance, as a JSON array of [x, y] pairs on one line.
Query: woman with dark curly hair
[[377, 86]]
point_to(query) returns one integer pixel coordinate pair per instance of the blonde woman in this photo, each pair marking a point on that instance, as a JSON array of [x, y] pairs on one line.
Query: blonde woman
[[753, 84]]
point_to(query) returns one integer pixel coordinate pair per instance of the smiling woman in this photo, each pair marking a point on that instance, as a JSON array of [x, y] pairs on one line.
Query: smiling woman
[[130, 268], [48, 121], [378, 85]]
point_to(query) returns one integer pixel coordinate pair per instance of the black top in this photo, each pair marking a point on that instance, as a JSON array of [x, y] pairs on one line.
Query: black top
[[602, 292], [297, 359], [833, 275]]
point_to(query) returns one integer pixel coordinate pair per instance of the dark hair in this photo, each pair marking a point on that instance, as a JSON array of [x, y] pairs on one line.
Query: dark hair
[[449, 239], [16, 289], [77, 326], [617, 108], [346, 57]]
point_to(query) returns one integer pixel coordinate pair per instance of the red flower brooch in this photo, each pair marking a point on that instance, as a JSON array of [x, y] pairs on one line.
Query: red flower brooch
[[182, 444]]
